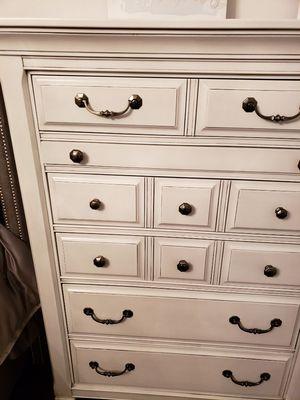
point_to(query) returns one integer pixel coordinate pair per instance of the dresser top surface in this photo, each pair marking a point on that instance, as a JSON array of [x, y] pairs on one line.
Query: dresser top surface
[[167, 14]]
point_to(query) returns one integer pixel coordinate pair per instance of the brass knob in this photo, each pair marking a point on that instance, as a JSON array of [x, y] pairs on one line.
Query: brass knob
[[95, 204], [183, 266], [76, 156], [270, 271], [99, 261], [185, 208], [281, 212]]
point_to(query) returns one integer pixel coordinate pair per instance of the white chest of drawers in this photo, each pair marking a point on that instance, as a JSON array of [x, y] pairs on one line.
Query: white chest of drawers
[[166, 239]]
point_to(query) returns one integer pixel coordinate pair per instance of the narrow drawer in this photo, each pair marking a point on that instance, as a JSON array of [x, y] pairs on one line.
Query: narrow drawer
[[222, 105], [205, 319], [161, 108], [198, 373], [101, 256], [186, 203], [264, 207], [183, 260], [261, 264], [160, 157], [96, 199]]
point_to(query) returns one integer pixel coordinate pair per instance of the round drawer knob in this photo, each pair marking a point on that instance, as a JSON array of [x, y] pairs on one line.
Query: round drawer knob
[[270, 271], [281, 212], [76, 156], [99, 261], [185, 208], [299, 164], [183, 266], [95, 204]]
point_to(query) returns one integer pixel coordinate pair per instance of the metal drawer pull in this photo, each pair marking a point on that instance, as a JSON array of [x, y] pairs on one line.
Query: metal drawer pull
[[183, 266], [82, 101], [95, 204], [275, 323], [90, 313], [281, 212], [76, 156], [265, 376], [250, 105], [94, 365], [99, 261], [185, 208], [270, 271]]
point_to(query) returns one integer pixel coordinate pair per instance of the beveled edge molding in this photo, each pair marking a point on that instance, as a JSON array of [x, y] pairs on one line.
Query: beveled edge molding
[[164, 42]]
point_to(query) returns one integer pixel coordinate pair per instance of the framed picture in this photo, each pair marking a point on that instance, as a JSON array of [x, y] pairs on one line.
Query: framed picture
[[167, 10]]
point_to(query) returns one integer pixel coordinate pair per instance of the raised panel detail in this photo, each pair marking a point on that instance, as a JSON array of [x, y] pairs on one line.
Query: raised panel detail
[[194, 373], [169, 252], [160, 315], [220, 109], [200, 195], [123, 256], [121, 199], [162, 110], [253, 205], [250, 264]]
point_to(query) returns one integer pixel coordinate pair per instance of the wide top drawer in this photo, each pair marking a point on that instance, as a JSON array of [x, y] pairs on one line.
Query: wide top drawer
[[110, 104]]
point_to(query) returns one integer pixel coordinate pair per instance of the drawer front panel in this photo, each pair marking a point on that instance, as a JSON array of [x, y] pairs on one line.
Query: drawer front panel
[[120, 199], [220, 107], [162, 110], [202, 320], [100, 256], [258, 206], [200, 158], [186, 203], [261, 264], [193, 373], [183, 260]]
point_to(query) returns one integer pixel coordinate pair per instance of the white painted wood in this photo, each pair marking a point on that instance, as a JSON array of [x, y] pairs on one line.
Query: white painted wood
[[244, 264], [177, 372], [266, 62], [201, 195], [124, 256], [162, 111], [252, 207], [170, 157], [220, 109], [122, 199], [156, 315], [17, 101], [197, 253]]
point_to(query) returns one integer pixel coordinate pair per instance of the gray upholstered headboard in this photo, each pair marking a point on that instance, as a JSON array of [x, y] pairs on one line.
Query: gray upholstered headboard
[[11, 209]]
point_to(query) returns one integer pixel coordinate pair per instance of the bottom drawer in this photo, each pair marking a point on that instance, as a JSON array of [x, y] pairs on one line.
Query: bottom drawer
[[161, 372]]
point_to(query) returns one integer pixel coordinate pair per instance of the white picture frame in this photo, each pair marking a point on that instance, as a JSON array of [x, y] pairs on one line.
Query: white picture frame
[[167, 10]]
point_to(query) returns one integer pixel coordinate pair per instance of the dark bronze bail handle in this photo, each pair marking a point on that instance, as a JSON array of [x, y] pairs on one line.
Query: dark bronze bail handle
[[134, 102], [250, 104], [275, 323], [94, 365], [265, 376], [90, 313]]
